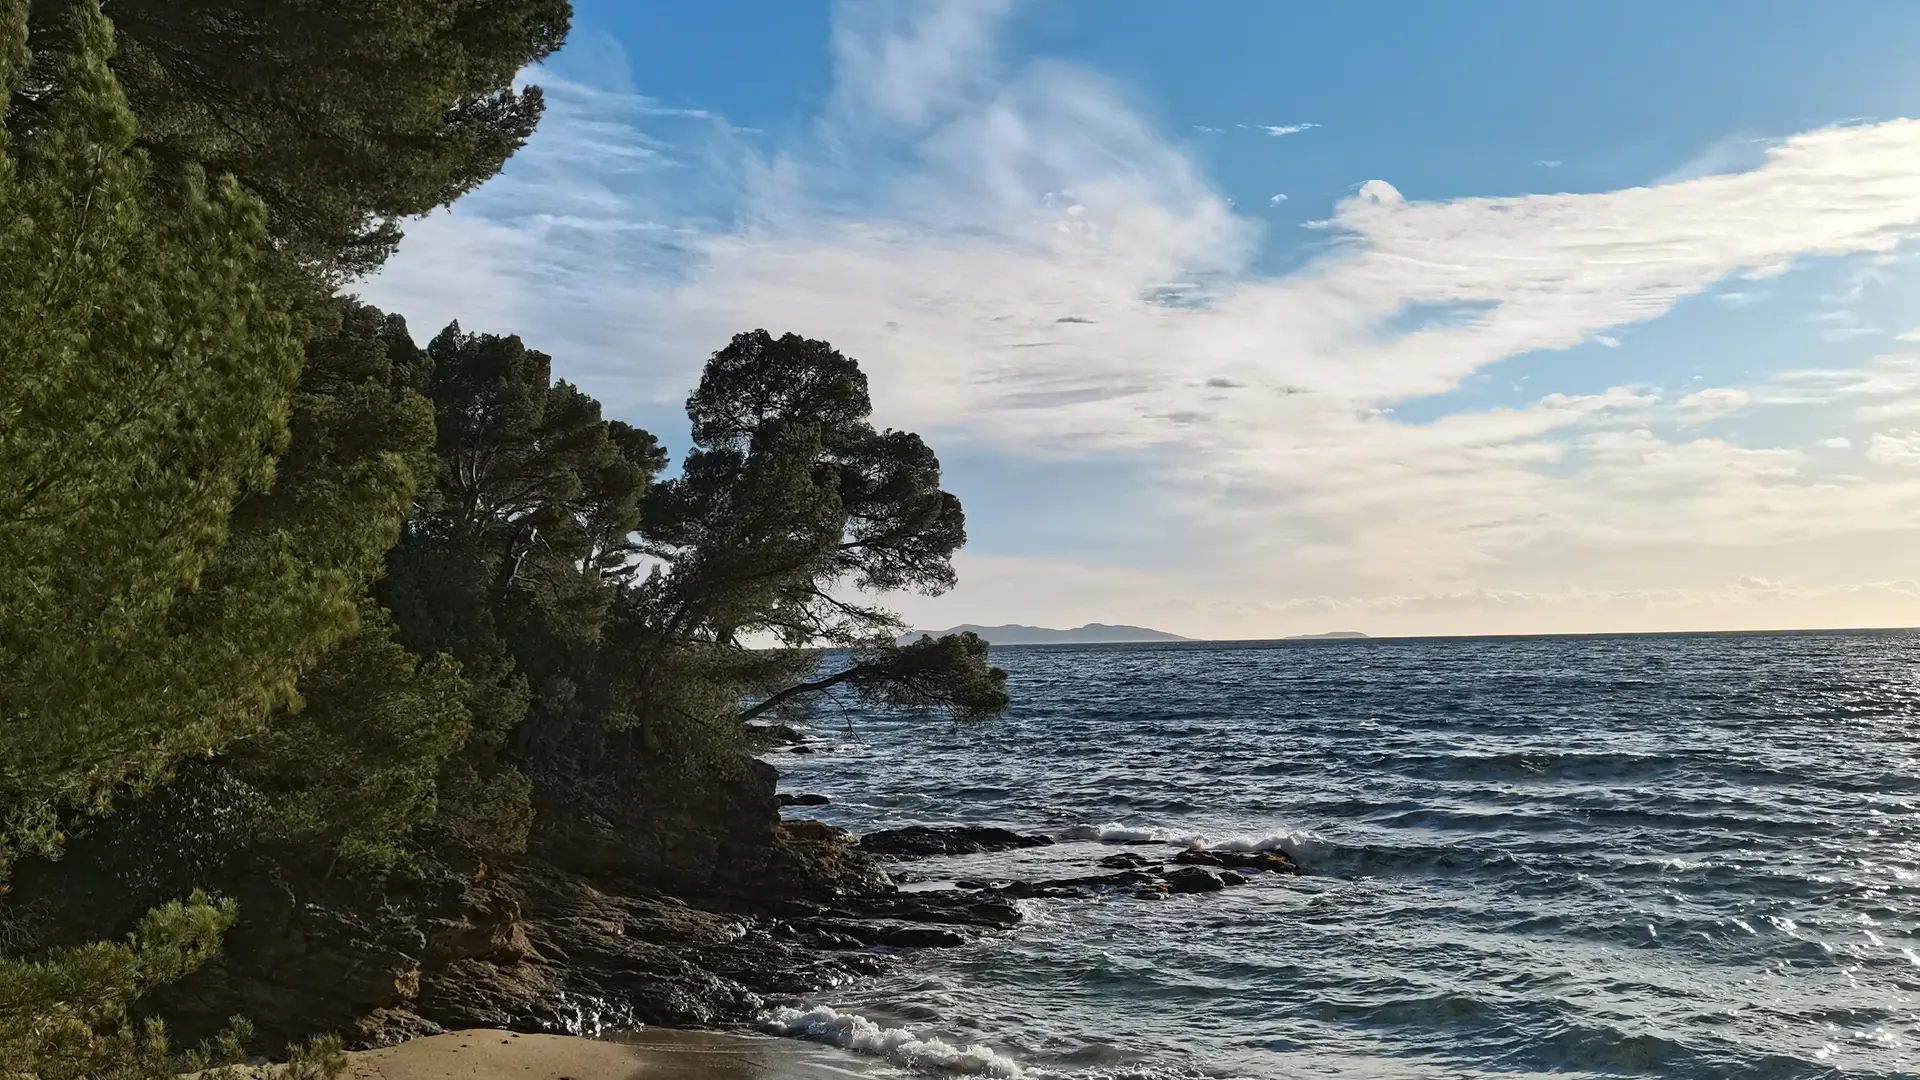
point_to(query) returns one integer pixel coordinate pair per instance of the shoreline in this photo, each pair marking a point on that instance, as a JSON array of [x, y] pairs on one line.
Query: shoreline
[[648, 1054]]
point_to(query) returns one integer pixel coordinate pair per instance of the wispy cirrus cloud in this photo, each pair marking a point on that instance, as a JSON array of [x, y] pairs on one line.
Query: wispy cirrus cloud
[[1027, 267]]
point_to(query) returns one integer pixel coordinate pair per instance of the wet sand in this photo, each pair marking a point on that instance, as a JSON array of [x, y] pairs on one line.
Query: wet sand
[[653, 1054]]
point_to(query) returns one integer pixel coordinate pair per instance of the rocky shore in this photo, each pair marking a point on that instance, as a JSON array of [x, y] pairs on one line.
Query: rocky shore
[[718, 908]]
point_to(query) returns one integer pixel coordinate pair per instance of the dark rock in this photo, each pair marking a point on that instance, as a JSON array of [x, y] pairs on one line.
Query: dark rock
[[802, 800], [1039, 890], [765, 736], [1127, 860], [803, 750], [814, 859], [892, 935], [1272, 861], [948, 906], [1196, 879], [918, 841], [692, 833]]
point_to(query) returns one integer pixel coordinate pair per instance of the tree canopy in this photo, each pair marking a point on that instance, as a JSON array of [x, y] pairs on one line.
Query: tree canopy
[[281, 590], [343, 117], [191, 505]]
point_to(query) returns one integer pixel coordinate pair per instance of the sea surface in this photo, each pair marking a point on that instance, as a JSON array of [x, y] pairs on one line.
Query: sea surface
[[1673, 856]]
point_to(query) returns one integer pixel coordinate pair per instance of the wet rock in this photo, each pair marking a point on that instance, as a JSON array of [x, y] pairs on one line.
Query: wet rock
[[919, 841], [892, 935], [767, 736], [1198, 879], [1272, 861], [1127, 860], [1062, 888], [952, 907], [787, 799]]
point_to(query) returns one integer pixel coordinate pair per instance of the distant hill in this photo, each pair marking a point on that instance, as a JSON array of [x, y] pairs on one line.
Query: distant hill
[[1090, 634], [1322, 637]]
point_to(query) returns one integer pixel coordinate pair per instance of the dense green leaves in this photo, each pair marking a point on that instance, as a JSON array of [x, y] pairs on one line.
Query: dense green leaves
[[344, 116], [146, 387], [190, 516], [214, 488], [52, 1010], [790, 495], [353, 773]]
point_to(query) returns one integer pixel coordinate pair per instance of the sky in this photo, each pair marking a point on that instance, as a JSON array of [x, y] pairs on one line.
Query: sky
[[1246, 319]]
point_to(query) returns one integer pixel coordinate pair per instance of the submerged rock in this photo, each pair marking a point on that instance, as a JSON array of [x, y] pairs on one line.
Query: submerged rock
[[766, 736], [1272, 861], [1197, 879], [919, 841]]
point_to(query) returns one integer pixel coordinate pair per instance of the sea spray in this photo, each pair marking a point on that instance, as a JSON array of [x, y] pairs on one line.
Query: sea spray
[[902, 1046]]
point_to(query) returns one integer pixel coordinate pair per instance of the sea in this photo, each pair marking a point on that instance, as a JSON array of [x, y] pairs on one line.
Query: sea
[[1661, 855]]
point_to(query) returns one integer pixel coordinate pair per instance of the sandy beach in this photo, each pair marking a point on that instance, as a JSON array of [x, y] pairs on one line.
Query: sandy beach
[[654, 1054]]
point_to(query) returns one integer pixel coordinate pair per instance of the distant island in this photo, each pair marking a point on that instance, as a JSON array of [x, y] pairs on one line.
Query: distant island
[[1323, 637], [1013, 634]]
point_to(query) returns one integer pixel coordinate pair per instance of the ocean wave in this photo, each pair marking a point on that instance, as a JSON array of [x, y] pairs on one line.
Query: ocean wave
[[902, 1046], [1114, 832]]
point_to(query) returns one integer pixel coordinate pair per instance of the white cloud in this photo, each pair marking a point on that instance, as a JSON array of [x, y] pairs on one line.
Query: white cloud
[[910, 63], [1714, 402], [1282, 130], [1884, 388], [1895, 449], [1548, 163], [1276, 200], [1837, 442], [1004, 197], [1606, 340]]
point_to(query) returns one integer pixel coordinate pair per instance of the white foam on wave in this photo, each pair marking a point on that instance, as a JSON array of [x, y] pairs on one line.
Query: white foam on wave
[[899, 1045], [1114, 832]]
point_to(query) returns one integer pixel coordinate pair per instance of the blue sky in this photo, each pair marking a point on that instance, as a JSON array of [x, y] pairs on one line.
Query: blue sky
[[1245, 319]]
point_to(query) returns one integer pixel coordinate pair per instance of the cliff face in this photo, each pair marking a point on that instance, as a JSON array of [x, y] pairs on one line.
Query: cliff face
[[669, 907], [700, 833]]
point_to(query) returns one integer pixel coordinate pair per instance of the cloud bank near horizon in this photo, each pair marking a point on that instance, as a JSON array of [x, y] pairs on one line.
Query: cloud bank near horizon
[[1029, 269]]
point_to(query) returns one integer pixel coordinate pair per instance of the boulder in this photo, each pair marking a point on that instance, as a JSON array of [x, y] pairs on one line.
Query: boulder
[[919, 841], [787, 799], [765, 736], [1272, 861], [1127, 860], [1197, 879]]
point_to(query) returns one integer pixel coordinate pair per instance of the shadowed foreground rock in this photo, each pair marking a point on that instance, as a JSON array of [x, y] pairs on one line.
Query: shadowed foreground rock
[[590, 936]]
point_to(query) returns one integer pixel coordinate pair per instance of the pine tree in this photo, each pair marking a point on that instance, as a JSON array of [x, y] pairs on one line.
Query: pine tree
[[343, 116]]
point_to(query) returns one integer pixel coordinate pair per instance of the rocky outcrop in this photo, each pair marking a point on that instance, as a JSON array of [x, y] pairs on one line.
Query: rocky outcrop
[[705, 831], [689, 905], [1271, 861], [920, 841]]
